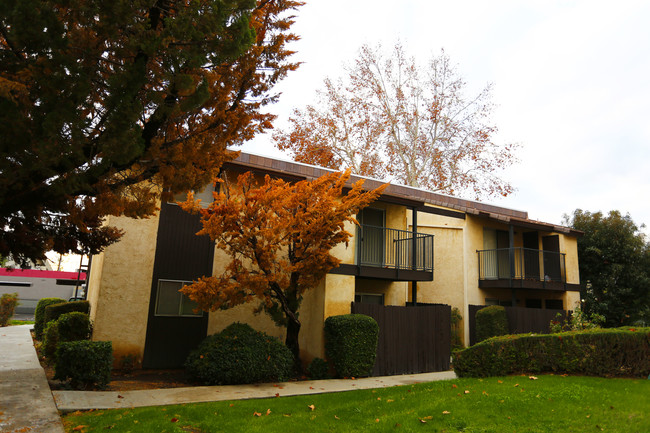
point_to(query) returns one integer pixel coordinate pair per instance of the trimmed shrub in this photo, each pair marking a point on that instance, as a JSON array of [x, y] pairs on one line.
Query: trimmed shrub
[[74, 326], [85, 364], [239, 354], [53, 312], [318, 369], [351, 344], [39, 315], [8, 302], [491, 321], [50, 341], [594, 352]]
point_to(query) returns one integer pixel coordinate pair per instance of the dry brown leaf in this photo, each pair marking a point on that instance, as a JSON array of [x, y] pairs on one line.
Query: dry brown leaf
[[467, 391], [445, 412], [532, 377], [257, 414], [311, 406], [268, 412]]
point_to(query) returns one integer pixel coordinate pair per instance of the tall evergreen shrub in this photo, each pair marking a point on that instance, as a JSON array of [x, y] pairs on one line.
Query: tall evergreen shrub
[[491, 321], [351, 344], [39, 315]]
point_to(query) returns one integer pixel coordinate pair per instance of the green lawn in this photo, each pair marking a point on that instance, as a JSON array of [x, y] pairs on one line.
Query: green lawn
[[506, 404], [20, 322]]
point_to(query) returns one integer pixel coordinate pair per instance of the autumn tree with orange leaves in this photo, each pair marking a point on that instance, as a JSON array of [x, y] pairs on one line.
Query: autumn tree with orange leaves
[[107, 105], [278, 236], [389, 117]]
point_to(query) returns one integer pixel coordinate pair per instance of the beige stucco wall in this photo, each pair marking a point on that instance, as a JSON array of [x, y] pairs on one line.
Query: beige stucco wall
[[120, 286], [569, 245]]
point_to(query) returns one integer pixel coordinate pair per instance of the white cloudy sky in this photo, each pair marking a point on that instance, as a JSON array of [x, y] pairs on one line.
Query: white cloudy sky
[[571, 81]]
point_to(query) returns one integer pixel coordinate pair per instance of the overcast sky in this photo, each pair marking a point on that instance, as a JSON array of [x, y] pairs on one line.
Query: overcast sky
[[571, 83]]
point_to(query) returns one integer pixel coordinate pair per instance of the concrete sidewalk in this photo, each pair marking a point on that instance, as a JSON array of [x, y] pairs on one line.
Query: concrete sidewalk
[[68, 401], [26, 402]]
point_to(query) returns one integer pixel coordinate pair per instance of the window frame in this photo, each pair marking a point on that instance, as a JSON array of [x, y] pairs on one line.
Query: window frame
[[180, 304]]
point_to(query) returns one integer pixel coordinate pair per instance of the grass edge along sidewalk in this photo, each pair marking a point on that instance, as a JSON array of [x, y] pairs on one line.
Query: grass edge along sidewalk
[[544, 403]]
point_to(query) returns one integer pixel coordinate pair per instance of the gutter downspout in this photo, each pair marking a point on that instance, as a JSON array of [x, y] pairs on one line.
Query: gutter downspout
[[414, 284]]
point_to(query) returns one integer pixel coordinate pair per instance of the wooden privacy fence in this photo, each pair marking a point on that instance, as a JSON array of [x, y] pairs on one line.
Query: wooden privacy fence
[[411, 339], [520, 320]]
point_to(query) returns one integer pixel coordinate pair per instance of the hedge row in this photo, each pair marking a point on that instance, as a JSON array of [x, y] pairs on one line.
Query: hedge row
[[595, 352], [53, 312], [85, 364]]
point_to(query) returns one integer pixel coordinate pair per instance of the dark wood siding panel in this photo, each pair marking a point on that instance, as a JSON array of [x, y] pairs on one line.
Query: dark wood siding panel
[[411, 339], [180, 255]]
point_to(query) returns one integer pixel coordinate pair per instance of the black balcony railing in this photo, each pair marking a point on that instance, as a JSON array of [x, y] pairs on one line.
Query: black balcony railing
[[522, 264], [392, 248]]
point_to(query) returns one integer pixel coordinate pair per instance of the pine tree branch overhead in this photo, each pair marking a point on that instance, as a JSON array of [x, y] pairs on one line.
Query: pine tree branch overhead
[[103, 105]]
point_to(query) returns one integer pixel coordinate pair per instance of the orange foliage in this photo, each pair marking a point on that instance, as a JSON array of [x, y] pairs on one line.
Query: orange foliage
[[279, 236]]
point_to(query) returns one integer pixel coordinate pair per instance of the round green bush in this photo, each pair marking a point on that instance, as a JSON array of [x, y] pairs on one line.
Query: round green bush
[[74, 326], [39, 315], [491, 321], [318, 369], [239, 354]]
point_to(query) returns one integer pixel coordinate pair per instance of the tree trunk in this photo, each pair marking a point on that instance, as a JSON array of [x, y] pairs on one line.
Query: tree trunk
[[293, 329]]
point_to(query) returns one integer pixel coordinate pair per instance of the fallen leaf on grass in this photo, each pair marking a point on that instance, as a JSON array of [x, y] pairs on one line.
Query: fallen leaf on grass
[[499, 381], [467, 391], [79, 427], [445, 412], [532, 377], [268, 412], [516, 384], [311, 406], [454, 385], [336, 417], [174, 420], [390, 400], [257, 414], [376, 419]]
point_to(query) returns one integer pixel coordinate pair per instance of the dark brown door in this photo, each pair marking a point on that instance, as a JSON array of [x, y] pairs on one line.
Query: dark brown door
[[531, 256], [552, 268]]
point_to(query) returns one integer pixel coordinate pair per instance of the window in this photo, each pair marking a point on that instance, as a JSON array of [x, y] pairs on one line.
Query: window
[[554, 304], [369, 298], [171, 302], [206, 196], [533, 303], [494, 301]]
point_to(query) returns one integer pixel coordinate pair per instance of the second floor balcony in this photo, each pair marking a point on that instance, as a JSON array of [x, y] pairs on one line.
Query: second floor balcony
[[522, 268], [394, 254]]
